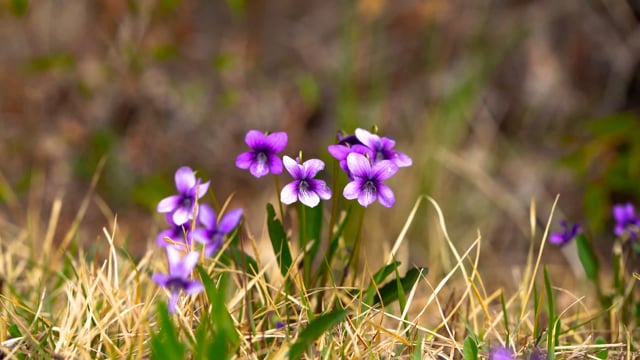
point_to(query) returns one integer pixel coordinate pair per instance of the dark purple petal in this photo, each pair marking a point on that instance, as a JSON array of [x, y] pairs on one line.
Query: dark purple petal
[[229, 221], [385, 196], [201, 235], [309, 198], [160, 239], [173, 302], [359, 166], [277, 141], [245, 160], [557, 238], [185, 179], [255, 139], [169, 204], [182, 215], [384, 169], [311, 168], [339, 152], [352, 190], [207, 216], [387, 144], [289, 193], [161, 279], [500, 353], [275, 164], [192, 287]]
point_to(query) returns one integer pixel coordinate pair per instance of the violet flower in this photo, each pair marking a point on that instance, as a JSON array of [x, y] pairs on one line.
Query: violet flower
[[182, 206], [341, 151], [367, 184], [564, 237], [178, 278], [177, 233], [262, 158], [213, 230], [626, 220], [501, 353], [382, 148], [304, 187]]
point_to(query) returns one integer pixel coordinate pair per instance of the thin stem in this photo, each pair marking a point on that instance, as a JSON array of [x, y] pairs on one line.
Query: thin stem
[[355, 253], [306, 260], [277, 183], [334, 203]]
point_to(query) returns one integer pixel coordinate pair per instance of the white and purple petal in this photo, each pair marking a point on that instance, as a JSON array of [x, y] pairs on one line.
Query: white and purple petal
[[259, 168], [359, 166], [202, 189], [320, 187], [230, 220], [192, 287], [383, 169], [311, 168], [385, 195], [370, 140], [207, 217], [352, 190], [289, 193], [182, 215], [185, 179], [292, 167], [308, 197], [402, 159], [367, 195], [169, 204]]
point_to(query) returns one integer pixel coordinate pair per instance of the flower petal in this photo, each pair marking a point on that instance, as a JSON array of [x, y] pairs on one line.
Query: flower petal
[[557, 238], [245, 160], [277, 141], [207, 217], [275, 164], [161, 279], [402, 159], [291, 166], [192, 287], [289, 193], [168, 204], [352, 190], [359, 166], [185, 179], [384, 169], [184, 267], [309, 198], [385, 196], [182, 215], [320, 187], [229, 221], [173, 258], [367, 196], [370, 140], [259, 169], [339, 152], [255, 139], [201, 235], [202, 189], [311, 167], [173, 302]]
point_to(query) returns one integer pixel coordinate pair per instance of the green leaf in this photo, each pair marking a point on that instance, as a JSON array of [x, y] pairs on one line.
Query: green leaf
[[505, 316], [587, 258], [389, 292], [14, 332], [417, 352], [602, 353], [310, 225], [314, 330], [378, 278], [551, 312], [165, 344], [470, 349], [278, 241]]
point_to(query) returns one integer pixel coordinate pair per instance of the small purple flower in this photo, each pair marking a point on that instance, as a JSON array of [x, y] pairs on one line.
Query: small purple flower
[[564, 237], [177, 233], [340, 153], [367, 185], [183, 205], [214, 230], [304, 187], [262, 158], [178, 278], [626, 220], [382, 148], [501, 353]]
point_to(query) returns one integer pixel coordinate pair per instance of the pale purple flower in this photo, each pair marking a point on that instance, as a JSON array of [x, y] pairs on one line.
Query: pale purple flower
[[382, 148], [263, 157], [304, 187], [182, 206], [501, 353], [177, 233], [626, 220], [213, 230], [341, 151], [179, 275], [565, 236], [366, 185]]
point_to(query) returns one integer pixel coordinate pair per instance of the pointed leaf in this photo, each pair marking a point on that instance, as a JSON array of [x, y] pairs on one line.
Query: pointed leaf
[[314, 330], [278, 241], [389, 292]]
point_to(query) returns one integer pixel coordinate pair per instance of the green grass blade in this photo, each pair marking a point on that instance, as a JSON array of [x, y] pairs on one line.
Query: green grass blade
[[389, 292], [314, 330], [165, 344], [603, 353], [587, 258], [552, 316], [278, 241], [505, 316], [470, 349]]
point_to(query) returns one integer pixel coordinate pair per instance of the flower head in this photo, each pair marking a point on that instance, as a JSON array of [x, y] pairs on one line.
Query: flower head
[[501, 353], [182, 206], [178, 278], [177, 233], [304, 187], [262, 158], [213, 230], [341, 151], [381, 148], [564, 237], [626, 220], [366, 184]]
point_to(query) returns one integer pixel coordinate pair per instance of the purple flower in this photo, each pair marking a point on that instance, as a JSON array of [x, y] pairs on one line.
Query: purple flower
[[178, 277], [262, 158], [214, 230], [367, 184], [304, 187], [382, 148], [501, 353], [183, 205], [340, 153], [626, 220], [564, 237], [177, 233]]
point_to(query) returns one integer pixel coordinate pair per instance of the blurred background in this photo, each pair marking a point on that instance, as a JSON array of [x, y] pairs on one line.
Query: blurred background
[[498, 102]]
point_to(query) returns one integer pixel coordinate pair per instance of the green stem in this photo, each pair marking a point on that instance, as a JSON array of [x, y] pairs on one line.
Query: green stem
[[334, 204], [303, 241], [355, 253], [277, 183]]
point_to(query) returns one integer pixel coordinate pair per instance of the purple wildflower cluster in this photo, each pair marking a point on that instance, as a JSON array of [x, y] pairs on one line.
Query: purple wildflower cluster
[[366, 158], [189, 221]]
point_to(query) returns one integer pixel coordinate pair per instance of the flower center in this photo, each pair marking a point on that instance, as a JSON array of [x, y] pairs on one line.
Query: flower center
[[187, 202], [370, 186], [261, 157]]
